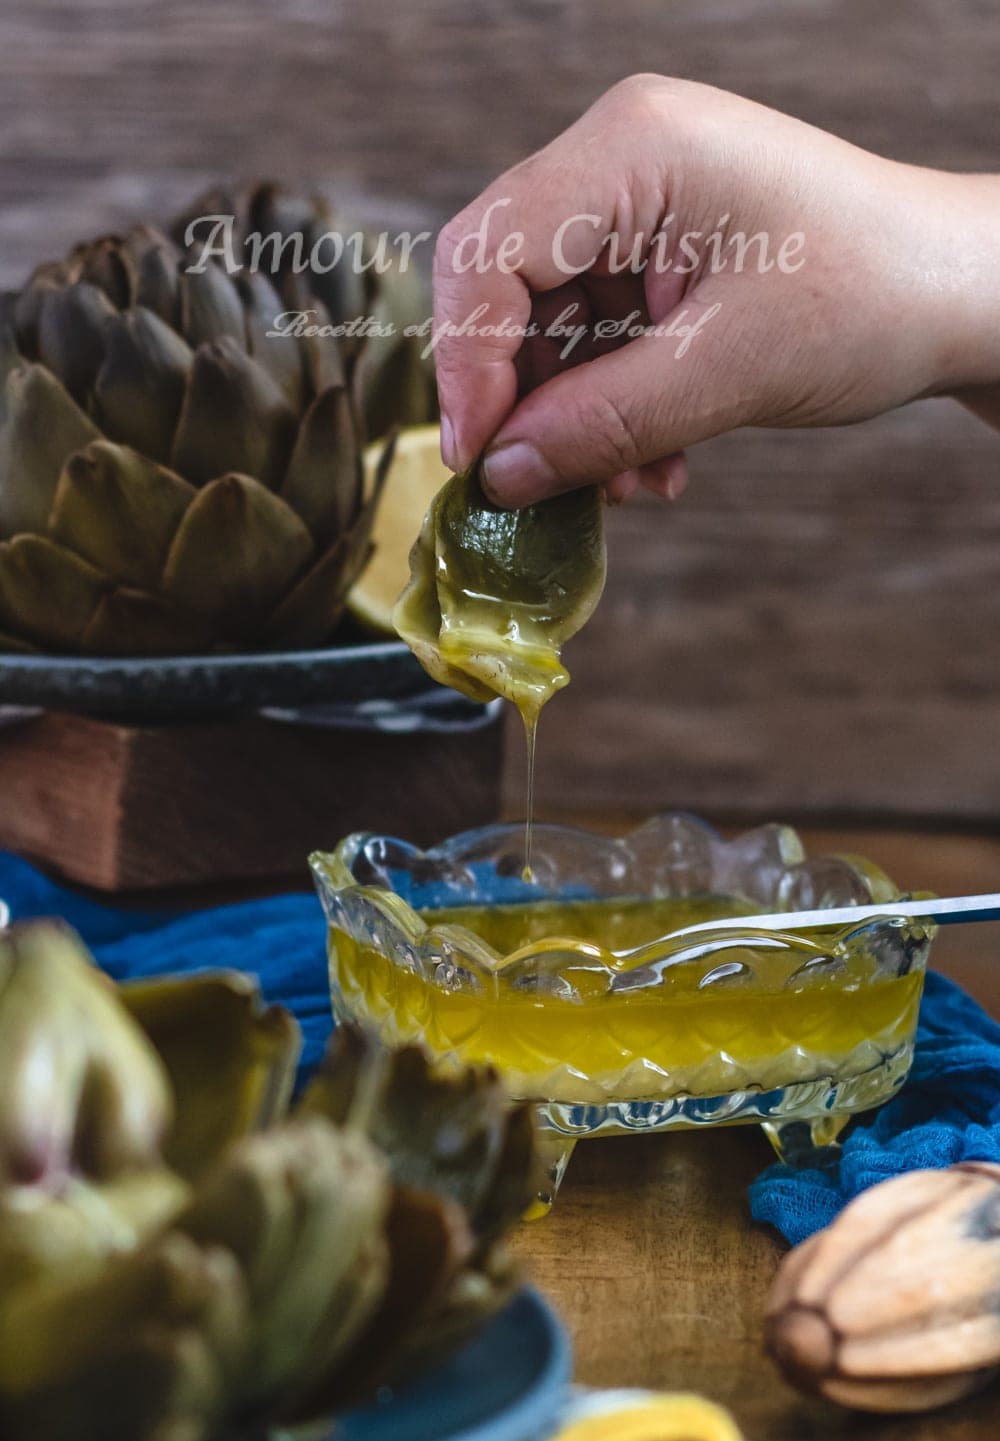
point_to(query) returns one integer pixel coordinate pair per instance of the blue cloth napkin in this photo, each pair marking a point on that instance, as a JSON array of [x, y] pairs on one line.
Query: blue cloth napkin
[[949, 1109]]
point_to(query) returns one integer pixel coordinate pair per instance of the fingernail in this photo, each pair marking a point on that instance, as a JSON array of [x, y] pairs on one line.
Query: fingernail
[[516, 473], [449, 451], [677, 484]]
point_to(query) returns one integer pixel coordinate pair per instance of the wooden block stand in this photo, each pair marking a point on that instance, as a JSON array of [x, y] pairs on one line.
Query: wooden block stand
[[122, 807]]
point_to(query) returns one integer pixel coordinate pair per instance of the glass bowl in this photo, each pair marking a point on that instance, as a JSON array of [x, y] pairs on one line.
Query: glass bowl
[[793, 1032]]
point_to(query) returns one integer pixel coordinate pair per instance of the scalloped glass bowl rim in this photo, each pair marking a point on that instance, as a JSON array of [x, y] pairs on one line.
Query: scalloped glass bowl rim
[[334, 876]]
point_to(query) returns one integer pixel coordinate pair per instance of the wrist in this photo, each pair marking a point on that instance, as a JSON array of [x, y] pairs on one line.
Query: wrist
[[957, 270]]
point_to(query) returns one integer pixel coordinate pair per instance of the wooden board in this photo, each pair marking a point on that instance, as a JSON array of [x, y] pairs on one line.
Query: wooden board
[[653, 1261], [120, 807], [814, 629]]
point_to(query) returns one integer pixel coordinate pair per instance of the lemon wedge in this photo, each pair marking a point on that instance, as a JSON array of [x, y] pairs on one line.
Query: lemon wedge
[[676, 1417], [415, 476]]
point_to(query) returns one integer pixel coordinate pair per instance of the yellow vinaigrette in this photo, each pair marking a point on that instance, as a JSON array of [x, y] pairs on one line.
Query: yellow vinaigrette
[[578, 1031]]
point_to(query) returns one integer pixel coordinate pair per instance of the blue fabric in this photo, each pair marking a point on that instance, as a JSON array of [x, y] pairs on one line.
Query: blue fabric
[[948, 1111], [279, 939]]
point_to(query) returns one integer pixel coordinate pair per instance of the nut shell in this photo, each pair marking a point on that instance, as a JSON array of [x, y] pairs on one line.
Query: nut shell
[[896, 1305]]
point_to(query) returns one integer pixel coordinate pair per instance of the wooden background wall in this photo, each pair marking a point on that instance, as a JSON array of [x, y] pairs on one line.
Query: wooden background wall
[[816, 629]]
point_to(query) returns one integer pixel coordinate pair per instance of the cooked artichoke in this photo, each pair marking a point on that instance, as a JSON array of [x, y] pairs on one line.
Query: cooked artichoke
[[493, 594], [172, 478], [271, 1276], [894, 1306]]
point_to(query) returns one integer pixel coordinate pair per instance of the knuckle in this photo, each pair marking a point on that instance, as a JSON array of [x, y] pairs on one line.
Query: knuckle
[[637, 95]]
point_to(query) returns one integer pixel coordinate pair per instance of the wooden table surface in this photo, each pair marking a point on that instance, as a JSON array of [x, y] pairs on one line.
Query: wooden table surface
[[652, 1259]]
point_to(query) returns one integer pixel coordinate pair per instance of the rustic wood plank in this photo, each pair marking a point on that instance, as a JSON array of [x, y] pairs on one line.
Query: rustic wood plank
[[654, 1263]]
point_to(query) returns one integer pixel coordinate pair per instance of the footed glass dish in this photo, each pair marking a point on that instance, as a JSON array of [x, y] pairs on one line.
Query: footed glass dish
[[576, 986]]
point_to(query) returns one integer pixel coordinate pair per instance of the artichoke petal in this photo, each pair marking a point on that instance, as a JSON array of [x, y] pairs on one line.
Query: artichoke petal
[[308, 613], [231, 1061], [429, 1243], [236, 552], [47, 594], [170, 1338], [154, 261], [278, 354], [71, 330], [324, 353], [27, 305], [141, 384], [451, 1135], [132, 622], [325, 479], [101, 262], [234, 418], [210, 307], [40, 426], [119, 511], [83, 1089], [299, 1208]]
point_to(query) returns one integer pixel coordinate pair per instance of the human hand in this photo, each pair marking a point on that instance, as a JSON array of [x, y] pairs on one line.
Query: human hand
[[817, 285]]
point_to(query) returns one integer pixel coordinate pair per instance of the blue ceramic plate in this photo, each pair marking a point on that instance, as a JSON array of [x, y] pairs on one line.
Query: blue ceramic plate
[[507, 1385]]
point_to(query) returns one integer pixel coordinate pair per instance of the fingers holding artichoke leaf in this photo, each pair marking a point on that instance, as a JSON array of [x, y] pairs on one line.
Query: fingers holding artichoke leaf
[[494, 593]]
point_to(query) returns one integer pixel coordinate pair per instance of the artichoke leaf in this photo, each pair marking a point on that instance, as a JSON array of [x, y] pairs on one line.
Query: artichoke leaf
[[446, 1134], [141, 385], [27, 304], [131, 622], [154, 261], [40, 427], [300, 1208], [280, 355], [231, 1060], [236, 552], [71, 335], [513, 585], [234, 418], [83, 1090], [312, 608], [429, 1242], [210, 306], [48, 595], [101, 262], [324, 352], [325, 478], [120, 511], [172, 1337]]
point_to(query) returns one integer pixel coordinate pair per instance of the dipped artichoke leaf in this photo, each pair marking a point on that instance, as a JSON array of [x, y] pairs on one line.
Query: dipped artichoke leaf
[[454, 1135], [231, 1060], [495, 593]]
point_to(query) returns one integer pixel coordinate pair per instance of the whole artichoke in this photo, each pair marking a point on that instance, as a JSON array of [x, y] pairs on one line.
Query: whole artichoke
[[172, 478], [178, 1259]]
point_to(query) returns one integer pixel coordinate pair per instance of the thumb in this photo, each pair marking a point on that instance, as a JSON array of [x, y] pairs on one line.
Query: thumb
[[620, 412]]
